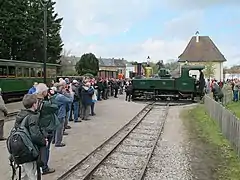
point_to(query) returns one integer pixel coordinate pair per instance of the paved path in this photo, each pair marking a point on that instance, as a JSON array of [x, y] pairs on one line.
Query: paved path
[[13, 107], [83, 137]]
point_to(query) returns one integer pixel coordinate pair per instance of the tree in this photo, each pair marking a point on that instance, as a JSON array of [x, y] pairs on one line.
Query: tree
[[88, 63], [172, 65], [209, 70], [21, 31], [55, 44]]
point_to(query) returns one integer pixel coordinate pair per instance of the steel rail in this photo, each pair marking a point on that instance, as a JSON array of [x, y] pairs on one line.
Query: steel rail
[[143, 170], [67, 174]]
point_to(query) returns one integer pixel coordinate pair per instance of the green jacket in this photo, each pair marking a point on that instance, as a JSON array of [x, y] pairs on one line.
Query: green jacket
[[48, 120], [35, 132]]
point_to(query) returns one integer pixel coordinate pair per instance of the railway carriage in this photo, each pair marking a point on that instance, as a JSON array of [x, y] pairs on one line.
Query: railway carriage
[[16, 77], [167, 87]]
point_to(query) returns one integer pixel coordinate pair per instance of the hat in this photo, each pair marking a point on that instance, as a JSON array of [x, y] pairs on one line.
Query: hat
[[54, 88], [62, 83], [74, 81]]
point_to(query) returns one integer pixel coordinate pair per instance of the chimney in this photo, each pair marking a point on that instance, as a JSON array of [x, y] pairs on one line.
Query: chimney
[[197, 36]]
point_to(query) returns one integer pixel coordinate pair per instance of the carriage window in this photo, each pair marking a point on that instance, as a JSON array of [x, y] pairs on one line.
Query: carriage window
[[19, 72], [39, 72], [33, 74], [11, 71], [3, 70], [48, 72], [26, 72]]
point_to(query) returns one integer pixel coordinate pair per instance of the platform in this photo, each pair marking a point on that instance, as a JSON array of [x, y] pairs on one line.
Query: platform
[[83, 138]]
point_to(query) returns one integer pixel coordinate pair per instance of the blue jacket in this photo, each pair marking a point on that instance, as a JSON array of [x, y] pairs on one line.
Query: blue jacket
[[32, 90], [62, 101], [87, 94]]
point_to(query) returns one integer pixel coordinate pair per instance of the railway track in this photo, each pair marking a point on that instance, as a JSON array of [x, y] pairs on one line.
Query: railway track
[[127, 153]]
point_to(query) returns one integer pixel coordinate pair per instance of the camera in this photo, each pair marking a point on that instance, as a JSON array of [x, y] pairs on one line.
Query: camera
[[39, 105]]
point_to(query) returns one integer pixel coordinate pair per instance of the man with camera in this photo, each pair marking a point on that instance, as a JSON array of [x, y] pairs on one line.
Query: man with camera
[[48, 122]]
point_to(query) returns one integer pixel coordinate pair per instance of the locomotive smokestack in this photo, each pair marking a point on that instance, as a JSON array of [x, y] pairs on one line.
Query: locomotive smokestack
[[139, 69]]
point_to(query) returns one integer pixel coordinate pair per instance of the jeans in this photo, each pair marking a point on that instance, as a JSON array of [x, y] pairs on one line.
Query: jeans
[[69, 113], [45, 153], [1, 128], [59, 132], [92, 108], [75, 110], [235, 95], [86, 111], [99, 95]]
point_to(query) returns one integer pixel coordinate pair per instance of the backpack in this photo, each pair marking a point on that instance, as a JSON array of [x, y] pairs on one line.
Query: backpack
[[20, 146]]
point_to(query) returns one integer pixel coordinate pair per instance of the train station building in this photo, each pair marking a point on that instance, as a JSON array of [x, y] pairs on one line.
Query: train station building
[[108, 67], [201, 50]]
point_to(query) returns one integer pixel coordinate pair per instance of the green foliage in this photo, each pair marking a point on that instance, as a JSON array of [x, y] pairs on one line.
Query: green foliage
[[69, 73], [88, 63], [21, 31], [209, 70], [172, 65], [154, 67]]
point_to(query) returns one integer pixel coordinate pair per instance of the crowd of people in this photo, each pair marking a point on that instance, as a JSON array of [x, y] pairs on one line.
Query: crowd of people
[[235, 86], [46, 115]]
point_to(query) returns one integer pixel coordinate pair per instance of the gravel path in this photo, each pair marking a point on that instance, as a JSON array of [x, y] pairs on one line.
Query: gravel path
[[170, 160], [127, 161]]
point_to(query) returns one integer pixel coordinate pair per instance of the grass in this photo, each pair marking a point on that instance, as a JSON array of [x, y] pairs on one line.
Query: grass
[[235, 108], [219, 159]]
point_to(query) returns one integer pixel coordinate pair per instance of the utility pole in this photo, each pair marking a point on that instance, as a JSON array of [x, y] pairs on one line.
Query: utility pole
[[44, 4]]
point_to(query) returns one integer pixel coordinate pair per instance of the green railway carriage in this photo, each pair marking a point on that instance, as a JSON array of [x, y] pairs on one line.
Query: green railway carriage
[[16, 77], [165, 86]]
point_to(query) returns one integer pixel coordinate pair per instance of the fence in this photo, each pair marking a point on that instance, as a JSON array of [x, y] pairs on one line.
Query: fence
[[228, 123]]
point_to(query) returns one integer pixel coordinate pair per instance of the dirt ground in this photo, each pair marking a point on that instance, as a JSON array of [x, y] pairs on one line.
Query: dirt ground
[[211, 157]]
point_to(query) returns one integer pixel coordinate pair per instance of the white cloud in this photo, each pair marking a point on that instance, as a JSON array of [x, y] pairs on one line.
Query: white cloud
[[199, 4], [157, 49], [94, 17], [106, 18], [184, 26]]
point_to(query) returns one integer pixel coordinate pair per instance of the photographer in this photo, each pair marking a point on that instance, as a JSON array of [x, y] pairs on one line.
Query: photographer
[[29, 118], [48, 122], [63, 100]]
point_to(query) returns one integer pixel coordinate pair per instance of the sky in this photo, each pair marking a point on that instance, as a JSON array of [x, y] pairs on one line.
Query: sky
[[136, 29]]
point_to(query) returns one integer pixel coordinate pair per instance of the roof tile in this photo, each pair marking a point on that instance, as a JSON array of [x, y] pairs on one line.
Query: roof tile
[[203, 51]]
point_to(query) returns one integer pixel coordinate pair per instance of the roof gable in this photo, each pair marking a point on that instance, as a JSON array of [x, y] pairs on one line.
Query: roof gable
[[107, 62], [202, 51], [120, 62]]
